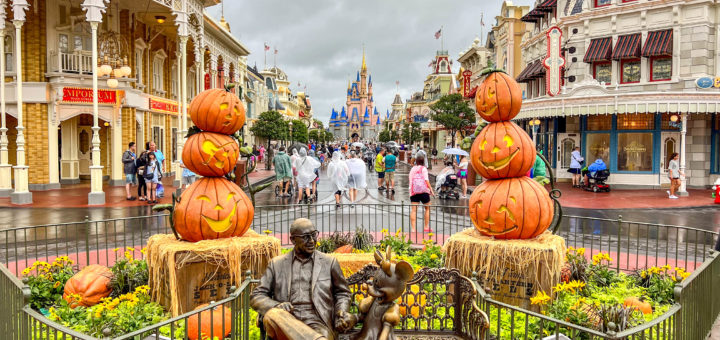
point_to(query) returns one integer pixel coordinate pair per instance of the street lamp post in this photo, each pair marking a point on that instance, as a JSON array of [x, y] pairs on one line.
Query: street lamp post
[[22, 194], [290, 124], [535, 125]]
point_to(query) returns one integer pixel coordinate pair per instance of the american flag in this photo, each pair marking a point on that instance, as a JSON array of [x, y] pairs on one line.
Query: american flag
[[267, 48], [482, 23], [275, 50], [438, 34], [432, 62]]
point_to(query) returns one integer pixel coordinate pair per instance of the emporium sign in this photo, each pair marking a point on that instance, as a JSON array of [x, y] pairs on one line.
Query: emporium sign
[[554, 61], [163, 105], [85, 95]]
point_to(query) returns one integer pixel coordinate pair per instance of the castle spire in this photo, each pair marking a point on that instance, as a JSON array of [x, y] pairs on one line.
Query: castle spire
[[364, 66]]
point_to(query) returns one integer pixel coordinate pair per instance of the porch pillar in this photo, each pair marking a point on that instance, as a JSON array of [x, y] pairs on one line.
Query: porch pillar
[[22, 194], [682, 191], [93, 14], [181, 20], [5, 167]]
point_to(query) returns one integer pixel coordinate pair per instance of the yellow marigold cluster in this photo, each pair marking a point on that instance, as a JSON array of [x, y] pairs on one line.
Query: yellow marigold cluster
[[577, 251], [540, 298], [129, 299], [384, 231], [599, 257], [572, 287]]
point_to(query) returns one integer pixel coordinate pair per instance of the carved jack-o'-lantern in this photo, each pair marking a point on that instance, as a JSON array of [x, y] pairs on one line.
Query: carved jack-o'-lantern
[[511, 208], [217, 110], [498, 98], [502, 150], [210, 154], [213, 208]]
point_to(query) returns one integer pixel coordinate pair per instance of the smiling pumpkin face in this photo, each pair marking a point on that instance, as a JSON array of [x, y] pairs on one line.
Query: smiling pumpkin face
[[217, 110], [210, 154], [499, 98], [502, 150], [213, 208], [511, 208]]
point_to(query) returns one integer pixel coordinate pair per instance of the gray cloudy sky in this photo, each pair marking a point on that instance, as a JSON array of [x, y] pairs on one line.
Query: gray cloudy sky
[[320, 41]]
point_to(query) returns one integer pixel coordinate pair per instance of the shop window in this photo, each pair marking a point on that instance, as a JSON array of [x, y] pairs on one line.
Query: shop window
[[640, 121], [660, 68], [8, 54], [602, 3], [630, 71], [174, 82], [63, 42], [635, 151], [597, 145], [602, 71], [599, 123], [666, 122], [158, 64]]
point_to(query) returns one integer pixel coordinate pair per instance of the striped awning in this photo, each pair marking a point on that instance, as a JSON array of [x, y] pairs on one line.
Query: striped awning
[[522, 77], [627, 47], [533, 15], [547, 5], [532, 71], [599, 50], [658, 43]]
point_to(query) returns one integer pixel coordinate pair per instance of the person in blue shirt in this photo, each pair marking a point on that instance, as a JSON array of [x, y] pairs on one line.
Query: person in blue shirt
[[390, 164], [593, 168]]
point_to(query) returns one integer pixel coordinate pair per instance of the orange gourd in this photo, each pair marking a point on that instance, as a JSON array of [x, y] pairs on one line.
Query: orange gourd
[[91, 284], [212, 208], [502, 150], [499, 97], [218, 328], [217, 110], [346, 249], [511, 208], [638, 304], [210, 154]]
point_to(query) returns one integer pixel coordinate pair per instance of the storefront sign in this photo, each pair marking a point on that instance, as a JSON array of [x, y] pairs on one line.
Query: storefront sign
[[83, 95], [554, 61], [420, 119], [207, 81], [466, 82], [163, 105], [704, 82]]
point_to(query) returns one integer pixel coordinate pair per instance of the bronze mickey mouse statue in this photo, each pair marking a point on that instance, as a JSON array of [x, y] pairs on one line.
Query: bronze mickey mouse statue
[[379, 312]]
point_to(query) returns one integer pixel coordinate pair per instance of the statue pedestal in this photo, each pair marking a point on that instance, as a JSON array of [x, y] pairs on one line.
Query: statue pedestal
[[184, 275], [512, 271]]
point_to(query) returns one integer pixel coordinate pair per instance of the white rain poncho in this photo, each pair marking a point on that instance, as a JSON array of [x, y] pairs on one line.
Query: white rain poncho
[[440, 178], [338, 172], [358, 173], [305, 167]]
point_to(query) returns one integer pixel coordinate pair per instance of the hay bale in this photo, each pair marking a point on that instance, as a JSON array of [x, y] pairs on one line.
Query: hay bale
[[351, 263], [512, 271], [184, 275]]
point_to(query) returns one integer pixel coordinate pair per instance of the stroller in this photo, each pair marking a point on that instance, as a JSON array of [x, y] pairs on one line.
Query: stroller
[[447, 180], [597, 183], [279, 188]]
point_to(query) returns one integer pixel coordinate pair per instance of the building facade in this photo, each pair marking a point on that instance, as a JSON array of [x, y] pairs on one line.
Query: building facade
[[508, 33], [359, 119], [636, 85], [172, 49]]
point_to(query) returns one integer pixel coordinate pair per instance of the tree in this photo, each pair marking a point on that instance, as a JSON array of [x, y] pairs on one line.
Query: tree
[[318, 124], [314, 135], [411, 133], [299, 131], [328, 136], [453, 112], [270, 125], [384, 136]]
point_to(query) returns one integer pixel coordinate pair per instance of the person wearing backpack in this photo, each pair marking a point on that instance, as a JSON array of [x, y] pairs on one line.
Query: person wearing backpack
[[128, 159], [140, 163], [152, 176], [420, 192]]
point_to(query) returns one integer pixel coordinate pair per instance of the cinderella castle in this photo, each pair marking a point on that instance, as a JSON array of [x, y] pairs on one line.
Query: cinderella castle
[[359, 119]]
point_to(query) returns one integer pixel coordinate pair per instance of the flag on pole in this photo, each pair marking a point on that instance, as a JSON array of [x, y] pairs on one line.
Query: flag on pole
[[267, 48], [397, 82], [432, 62], [482, 23], [438, 34], [275, 50]]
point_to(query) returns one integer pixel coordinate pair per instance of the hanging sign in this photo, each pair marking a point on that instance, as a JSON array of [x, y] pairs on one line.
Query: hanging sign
[[705, 82], [554, 61], [84, 95], [163, 105], [466, 82]]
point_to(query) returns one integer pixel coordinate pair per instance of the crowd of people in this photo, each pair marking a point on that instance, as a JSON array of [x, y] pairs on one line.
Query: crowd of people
[[145, 171]]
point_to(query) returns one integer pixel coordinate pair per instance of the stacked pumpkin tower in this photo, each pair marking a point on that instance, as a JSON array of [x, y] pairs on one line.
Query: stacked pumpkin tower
[[509, 246], [212, 245]]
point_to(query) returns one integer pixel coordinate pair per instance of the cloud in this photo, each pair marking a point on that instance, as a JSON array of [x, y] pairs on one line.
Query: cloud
[[320, 42]]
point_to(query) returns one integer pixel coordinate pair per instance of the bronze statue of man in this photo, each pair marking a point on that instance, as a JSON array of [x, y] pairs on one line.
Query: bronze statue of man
[[303, 294]]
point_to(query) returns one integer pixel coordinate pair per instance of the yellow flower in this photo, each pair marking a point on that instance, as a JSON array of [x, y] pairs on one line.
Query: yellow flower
[[143, 251], [116, 249], [129, 256], [540, 298], [430, 234], [26, 271], [57, 284], [643, 274], [397, 233], [580, 251], [570, 249], [384, 231], [433, 256], [267, 231]]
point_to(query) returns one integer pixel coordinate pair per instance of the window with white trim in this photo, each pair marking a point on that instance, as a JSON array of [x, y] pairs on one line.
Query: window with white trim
[[159, 72], [9, 66], [174, 82]]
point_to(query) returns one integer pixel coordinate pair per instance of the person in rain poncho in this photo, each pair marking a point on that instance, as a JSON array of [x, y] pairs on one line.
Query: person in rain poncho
[[283, 170], [293, 157], [338, 174], [311, 154], [441, 178], [358, 175], [305, 167]]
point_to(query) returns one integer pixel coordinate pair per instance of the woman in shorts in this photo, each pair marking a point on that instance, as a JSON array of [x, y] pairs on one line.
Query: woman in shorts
[[462, 175], [420, 192]]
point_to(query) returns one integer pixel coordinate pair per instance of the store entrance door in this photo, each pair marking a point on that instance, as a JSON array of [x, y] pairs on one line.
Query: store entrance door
[[670, 145], [566, 143], [84, 149]]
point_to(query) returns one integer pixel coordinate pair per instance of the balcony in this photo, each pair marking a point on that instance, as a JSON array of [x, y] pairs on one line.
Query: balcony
[[78, 62]]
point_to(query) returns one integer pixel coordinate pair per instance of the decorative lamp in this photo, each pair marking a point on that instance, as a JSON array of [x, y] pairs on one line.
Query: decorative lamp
[[536, 122], [106, 124], [105, 69], [126, 70], [674, 118], [118, 73], [112, 83], [160, 19]]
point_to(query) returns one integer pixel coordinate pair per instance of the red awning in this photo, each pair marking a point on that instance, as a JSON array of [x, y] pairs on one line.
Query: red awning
[[547, 5], [599, 50], [658, 43], [532, 71], [523, 76], [532, 16], [627, 47], [472, 93]]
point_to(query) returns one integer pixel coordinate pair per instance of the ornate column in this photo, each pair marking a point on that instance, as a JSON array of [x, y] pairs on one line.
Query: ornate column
[[93, 14], [22, 194], [5, 167], [213, 72], [682, 191], [199, 71], [181, 20]]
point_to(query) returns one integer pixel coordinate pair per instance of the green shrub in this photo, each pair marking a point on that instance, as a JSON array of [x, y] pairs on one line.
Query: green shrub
[[128, 273], [47, 281]]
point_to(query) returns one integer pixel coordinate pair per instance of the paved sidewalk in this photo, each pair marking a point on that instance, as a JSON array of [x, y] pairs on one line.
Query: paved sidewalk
[[75, 195]]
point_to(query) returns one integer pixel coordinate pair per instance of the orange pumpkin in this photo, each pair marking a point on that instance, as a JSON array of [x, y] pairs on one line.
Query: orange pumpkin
[[212, 208], [91, 284], [638, 304], [210, 154], [498, 98], [210, 329], [511, 208], [502, 150], [217, 110], [346, 249]]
